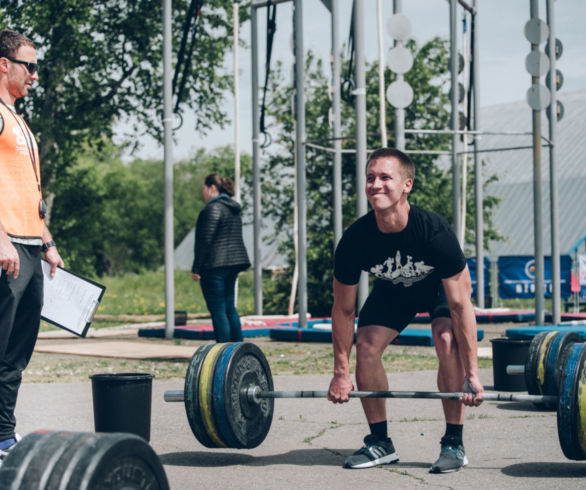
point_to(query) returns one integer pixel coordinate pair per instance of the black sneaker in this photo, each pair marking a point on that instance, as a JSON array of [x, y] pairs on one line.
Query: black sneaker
[[374, 453], [452, 457]]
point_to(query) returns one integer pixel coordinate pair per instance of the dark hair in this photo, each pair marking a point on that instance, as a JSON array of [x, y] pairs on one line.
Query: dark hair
[[11, 41], [407, 166], [223, 184]]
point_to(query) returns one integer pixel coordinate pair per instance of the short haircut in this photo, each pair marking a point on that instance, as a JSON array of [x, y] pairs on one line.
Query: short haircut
[[407, 166], [11, 41]]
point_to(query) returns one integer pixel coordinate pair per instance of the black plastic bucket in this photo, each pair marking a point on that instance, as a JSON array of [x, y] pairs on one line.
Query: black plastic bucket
[[506, 352], [122, 403]]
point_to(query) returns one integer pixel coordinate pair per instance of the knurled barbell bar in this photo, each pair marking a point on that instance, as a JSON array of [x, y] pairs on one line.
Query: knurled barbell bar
[[229, 397]]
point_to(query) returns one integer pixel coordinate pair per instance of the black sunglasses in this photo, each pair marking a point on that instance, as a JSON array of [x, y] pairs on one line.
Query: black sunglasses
[[31, 67]]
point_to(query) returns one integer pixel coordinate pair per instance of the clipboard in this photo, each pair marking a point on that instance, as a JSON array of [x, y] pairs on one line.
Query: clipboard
[[70, 300]]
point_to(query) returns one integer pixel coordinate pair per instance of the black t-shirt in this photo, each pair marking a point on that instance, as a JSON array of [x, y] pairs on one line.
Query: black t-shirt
[[409, 264]]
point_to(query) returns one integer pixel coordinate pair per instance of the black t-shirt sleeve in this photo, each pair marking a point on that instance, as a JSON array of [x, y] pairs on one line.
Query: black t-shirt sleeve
[[346, 265], [450, 259]]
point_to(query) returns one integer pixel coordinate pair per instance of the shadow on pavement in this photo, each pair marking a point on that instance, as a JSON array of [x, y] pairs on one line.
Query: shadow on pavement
[[546, 470]]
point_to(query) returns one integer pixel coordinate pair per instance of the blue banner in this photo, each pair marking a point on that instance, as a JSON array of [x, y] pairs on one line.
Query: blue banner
[[517, 276], [472, 266]]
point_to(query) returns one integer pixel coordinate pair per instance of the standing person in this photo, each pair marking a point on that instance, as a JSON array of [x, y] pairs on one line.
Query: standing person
[[23, 234], [418, 266], [220, 255]]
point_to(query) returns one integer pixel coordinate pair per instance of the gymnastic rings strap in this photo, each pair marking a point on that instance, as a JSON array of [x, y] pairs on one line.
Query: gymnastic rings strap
[[268, 140]]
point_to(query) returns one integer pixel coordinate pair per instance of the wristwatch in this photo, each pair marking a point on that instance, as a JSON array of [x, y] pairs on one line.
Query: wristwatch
[[46, 246]]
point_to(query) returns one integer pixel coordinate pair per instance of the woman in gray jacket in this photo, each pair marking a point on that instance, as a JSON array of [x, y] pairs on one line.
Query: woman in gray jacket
[[220, 255]]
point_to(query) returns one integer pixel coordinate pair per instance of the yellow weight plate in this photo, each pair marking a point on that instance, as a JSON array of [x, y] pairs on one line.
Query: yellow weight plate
[[205, 393], [542, 358]]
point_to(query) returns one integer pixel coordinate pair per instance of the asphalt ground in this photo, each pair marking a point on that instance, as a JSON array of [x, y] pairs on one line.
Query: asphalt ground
[[509, 444]]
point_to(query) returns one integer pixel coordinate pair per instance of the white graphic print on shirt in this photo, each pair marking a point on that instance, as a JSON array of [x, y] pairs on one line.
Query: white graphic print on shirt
[[398, 273]]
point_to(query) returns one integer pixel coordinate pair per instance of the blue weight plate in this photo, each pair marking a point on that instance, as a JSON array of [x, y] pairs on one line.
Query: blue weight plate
[[555, 360], [569, 339], [571, 404], [218, 401]]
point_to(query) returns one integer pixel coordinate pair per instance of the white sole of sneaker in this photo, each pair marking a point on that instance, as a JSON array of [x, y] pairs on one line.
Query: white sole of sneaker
[[388, 459], [464, 463]]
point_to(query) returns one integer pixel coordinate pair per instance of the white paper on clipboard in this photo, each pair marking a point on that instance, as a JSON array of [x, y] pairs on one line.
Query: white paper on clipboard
[[70, 301]]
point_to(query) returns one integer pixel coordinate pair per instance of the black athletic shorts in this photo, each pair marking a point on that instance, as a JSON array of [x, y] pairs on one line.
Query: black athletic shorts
[[380, 309]]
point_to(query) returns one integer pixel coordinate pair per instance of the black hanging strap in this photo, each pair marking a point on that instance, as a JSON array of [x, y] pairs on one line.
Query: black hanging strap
[[271, 29], [348, 83], [183, 61]]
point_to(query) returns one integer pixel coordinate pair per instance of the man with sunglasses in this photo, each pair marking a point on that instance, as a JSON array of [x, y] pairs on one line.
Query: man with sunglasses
[[23, 234]]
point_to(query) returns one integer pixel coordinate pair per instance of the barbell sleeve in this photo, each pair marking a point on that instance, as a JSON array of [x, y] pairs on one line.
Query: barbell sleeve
[[515, 369], [254, 394]]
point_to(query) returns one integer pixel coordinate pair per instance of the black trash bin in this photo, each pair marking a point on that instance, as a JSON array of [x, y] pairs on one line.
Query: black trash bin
[[122, 403], [507, 352]]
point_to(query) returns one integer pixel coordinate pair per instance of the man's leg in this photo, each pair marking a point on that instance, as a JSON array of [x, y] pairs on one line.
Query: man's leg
[[370, 376], [20, 310], [450, 374], [371, 343], [450, 378]]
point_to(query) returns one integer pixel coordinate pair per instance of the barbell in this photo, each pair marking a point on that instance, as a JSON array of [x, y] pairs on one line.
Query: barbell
[[229, 397], [47, 460]]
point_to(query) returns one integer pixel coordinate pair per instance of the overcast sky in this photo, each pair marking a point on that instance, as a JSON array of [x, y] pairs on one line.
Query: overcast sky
[[502, 46]]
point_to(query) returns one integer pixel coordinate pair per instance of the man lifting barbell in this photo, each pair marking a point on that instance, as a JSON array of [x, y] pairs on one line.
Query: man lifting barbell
[[418, 266]]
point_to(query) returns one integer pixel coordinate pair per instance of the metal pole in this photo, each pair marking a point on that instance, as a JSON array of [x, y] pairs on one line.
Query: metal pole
[[168, 172], [454, 119], [236, 27], [381, 75], [478, 190], [336, 109], [553, 179], [537, 197], [300, 158], [399, 123], [256, 163], [360, 105]]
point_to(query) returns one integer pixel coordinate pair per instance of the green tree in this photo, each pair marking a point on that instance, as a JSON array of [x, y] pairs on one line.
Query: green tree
[[429, 78], [101, 63], [109, 216]]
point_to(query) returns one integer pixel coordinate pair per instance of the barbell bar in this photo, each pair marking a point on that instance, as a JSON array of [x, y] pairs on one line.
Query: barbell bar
[[230, 387], [253, 394]]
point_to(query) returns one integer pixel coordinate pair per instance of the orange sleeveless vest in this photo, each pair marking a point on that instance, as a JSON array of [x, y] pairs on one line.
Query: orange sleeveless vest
[[19, 188]]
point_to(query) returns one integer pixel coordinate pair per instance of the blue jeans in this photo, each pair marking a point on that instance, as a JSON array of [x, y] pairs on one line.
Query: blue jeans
[[218, 287]]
